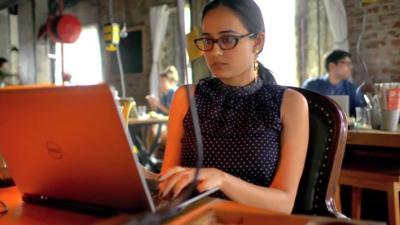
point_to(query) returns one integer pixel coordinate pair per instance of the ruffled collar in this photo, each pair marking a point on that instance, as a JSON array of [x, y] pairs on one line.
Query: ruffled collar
[[217, 102], [214, 87]]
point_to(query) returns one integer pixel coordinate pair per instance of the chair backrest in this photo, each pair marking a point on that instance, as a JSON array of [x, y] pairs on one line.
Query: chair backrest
[[327, 140]]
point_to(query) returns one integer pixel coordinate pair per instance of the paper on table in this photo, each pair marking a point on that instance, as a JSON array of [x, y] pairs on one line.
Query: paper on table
[[393, 99], [388, 95]]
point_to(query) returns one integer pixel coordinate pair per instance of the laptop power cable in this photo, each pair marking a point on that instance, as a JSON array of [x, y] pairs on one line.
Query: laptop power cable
[[162, 216]]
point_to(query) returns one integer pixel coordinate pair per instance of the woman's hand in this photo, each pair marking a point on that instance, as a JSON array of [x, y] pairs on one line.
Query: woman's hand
[[177, 178], [153, 101], [148, 174]]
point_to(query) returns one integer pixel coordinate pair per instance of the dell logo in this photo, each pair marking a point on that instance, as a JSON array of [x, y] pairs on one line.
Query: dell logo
[[54, 150]]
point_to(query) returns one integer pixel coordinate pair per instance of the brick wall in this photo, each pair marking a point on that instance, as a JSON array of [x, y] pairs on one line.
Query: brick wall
[[380, 46]]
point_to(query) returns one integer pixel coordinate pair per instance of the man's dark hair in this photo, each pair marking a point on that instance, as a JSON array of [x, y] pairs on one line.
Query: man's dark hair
[[335, 56], [3, 61]]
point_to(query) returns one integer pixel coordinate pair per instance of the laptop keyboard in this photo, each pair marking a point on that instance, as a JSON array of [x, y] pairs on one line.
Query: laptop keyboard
[[159, 202], [163, 203]]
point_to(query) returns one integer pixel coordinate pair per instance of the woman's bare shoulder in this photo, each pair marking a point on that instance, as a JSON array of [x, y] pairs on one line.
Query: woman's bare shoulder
[[292, 96], [181, 92], [180, 102], [293, 101]]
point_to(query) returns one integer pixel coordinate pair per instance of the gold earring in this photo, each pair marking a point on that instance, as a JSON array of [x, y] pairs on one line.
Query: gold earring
[[256, 67]]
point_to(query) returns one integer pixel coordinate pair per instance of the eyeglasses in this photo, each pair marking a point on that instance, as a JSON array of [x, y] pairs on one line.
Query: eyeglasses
[[225, 42], [347, 63]]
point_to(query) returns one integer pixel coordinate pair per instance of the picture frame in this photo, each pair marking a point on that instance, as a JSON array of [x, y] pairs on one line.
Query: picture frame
[[132, 51]]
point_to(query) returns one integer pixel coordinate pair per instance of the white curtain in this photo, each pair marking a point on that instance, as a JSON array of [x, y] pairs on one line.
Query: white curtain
[[338, 22], [158, 21]]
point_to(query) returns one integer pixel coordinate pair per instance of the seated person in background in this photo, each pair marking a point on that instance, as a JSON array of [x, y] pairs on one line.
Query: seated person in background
[[338, 66], [167, 86], [254, 133]]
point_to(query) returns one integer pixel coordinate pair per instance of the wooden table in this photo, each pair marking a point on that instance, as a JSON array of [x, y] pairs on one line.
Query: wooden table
[[372, 161], [374, 138], [141, 129], [214, 210], [148, 121], [372, 146]]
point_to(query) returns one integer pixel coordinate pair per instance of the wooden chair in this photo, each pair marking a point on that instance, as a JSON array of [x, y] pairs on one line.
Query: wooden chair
[[387, 181], [327, 140]]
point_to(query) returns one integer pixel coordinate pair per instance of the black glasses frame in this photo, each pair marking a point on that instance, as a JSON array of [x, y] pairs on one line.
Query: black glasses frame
[[237, 38], [345, 62]]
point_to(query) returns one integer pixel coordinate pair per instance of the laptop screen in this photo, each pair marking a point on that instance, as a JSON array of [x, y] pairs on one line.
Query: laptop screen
[[342, 101], [71, 143]]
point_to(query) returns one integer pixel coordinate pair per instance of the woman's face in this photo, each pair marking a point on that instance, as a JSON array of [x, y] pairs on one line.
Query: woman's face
[[163, 85], [228, 64]]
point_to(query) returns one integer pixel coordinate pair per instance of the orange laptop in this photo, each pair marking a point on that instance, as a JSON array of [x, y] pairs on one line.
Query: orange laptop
[[69, 145]]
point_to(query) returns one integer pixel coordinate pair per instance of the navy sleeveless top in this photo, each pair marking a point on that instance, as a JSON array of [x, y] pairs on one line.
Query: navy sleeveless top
[[240, 129]]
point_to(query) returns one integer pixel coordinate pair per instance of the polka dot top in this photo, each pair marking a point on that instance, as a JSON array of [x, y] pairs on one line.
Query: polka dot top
[[240, 128]]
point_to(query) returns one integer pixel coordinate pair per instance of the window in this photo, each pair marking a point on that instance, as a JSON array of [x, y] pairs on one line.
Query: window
[[279, 54], [82, 59], [188, 21]]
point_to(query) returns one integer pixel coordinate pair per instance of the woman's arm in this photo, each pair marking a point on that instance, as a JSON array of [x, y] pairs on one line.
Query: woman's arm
[[178, 110], [280, 196], [163, 109], [155, 104]]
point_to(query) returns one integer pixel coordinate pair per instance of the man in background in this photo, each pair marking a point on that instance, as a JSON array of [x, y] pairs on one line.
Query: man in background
[[338, 66], [168, 84]]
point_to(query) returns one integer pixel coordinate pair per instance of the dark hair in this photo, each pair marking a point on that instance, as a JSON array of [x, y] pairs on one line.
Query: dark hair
[[247, 10], [335, 56], [251, 17], [3, 61], [265, 74]]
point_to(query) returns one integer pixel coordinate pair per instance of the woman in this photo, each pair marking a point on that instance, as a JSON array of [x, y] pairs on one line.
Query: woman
[[255, 133], [167, 86]]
